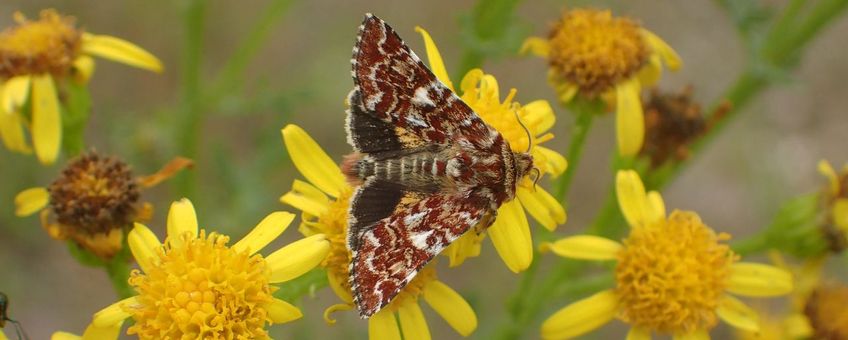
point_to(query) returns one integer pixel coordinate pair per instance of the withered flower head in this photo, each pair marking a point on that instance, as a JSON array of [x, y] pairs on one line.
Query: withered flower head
[[95, 194], [826, 311], [672, 123]]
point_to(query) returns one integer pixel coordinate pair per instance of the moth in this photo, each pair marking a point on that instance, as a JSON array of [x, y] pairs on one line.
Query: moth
[[428, 168]]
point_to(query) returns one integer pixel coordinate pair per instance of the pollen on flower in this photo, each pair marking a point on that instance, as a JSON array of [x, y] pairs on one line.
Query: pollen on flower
[[334, 225], [594, 50], [201, 288], [673, 122], [47, 45], [94, 195], [671, 275], [827, 313]]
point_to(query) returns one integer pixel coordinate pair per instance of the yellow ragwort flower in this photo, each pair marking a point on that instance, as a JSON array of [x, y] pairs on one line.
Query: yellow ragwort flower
[[510, 232], [835, 199], [93, 202], [324, 201], [673, 274], [35, 57], [592, 53], [196, 286]]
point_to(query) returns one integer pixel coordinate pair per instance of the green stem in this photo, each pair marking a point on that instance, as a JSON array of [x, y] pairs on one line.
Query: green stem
[[188, 134], [585, 114], [118, 270]]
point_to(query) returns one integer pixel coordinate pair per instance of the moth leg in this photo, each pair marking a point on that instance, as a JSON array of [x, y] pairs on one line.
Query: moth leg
[[486, 222]]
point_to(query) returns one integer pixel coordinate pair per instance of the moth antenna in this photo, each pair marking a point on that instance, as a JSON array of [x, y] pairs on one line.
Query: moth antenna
[[538, 176], [526, 130]]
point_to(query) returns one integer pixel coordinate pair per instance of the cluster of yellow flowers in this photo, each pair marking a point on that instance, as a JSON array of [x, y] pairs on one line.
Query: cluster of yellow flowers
[[673, 274]]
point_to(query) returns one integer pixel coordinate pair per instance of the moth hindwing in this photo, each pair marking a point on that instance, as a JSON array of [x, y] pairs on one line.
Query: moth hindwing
[[428, 168]]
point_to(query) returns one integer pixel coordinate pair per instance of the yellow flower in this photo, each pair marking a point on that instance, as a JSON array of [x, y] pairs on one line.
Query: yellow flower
[[510, 232], [324, 201], [673, 276], [836, 203], [592, 53], [196, 286], [93, 201], [35, 56]]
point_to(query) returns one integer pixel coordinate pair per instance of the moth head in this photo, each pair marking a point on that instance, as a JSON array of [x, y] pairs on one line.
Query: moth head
[[523, 163]]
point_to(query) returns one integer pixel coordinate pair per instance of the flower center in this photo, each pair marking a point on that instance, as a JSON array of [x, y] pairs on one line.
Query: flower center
[[671, 275], [95, 194], [827, 313], [594, 50], [48, 45], [202, 289]]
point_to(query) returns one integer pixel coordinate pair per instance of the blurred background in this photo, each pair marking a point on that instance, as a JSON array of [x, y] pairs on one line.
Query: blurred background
[[300, 75]]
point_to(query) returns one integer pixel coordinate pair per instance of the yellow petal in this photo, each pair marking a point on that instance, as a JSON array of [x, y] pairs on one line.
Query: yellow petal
[[336, 283], [307, 198], [632, 198], [335, 308], [83, 69], [144, 246], [412, 321], [383, 326], [542, 206], [584, 247], [93, 332], [510, 235], [537, 46], [629, 120], [669, 56], [167, 171], [840, 214], [656, 207], [3, 335], [467, 246], [31, 200], [46, 120], [651, 73], [434, 58], [114, 313], [471, 80], [281, 312], [451, 307], [297, 258], [15, 93], [754, 279], [737, 314], [566, 91], [638, 333], [581, 317], [827, 170], [539, 115], [12, 132], [266, 231], [556, 162], [798, 326], [181, 219], [55, 336], [700, 334], [312, 162], [120, 50]]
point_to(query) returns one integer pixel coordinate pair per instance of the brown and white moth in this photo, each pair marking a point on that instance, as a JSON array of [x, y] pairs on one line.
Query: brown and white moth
[[428, 168]]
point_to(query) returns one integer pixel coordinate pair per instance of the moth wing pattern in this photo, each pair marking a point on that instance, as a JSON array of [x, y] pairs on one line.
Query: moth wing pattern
[[389, 253], [393, 85]]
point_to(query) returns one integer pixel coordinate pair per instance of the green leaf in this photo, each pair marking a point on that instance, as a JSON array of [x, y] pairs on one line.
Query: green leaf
[[76, 108], [796, 228], [304, 285]]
